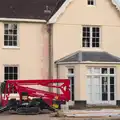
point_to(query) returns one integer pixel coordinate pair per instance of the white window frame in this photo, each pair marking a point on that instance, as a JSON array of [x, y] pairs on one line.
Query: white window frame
[[100, 74], [91, 36], [92, 75], [11, 46], [94, 2]]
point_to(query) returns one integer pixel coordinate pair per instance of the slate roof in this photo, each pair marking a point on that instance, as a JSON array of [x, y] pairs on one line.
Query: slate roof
[[29, 9], [83, 56]]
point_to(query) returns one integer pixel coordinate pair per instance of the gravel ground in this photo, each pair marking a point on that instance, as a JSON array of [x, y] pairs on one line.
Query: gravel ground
[[25, 117], [45, 117]]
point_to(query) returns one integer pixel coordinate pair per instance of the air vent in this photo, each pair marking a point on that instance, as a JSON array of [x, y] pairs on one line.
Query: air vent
[[47, 10]]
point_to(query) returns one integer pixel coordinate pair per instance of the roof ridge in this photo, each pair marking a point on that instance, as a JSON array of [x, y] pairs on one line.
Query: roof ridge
[[80, 58], [61, 10], [112, 55], [116, 4], [67, 56]]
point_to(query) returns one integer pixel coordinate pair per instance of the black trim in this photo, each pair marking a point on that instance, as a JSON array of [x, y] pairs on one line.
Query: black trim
[[118, 102], [80, 104]]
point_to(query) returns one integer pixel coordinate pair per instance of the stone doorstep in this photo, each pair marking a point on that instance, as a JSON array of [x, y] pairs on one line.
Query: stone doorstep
[[94, 107], [89, 118]]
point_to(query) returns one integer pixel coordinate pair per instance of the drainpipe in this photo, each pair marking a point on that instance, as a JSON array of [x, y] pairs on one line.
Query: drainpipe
[[57, 75], [50, 69], [57, 71]]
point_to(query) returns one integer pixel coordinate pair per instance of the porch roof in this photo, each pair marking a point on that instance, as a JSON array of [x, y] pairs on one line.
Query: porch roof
[[93, 56]]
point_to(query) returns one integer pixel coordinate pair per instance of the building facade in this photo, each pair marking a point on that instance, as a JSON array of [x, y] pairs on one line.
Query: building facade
[[85, 50], [75, 39]]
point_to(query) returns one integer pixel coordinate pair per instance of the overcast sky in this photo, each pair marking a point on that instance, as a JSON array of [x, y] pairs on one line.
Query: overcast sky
[[118, 1]]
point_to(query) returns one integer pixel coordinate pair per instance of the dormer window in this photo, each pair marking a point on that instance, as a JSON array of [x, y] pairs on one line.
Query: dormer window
[[91, 2]]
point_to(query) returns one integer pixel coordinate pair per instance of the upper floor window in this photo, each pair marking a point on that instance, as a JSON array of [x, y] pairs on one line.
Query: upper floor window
[[91, 2], [10, 34], [91, 37]]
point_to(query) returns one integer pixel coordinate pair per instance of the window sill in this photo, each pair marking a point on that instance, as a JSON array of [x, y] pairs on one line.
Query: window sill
[[91, 49], [11, 47]]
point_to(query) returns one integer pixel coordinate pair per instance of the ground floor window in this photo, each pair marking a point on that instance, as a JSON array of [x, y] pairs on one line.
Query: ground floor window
[[101, 84], [11, 73], [71, 78]]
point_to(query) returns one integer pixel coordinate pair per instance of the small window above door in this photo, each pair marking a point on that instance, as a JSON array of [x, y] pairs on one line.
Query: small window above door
[[91, 2]]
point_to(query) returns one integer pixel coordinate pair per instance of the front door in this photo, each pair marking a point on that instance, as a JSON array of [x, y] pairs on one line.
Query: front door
[[108, 89], [101, 90]]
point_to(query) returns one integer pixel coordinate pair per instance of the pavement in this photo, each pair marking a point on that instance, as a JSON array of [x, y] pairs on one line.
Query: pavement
[[47, 117], [103, 114], [94, 114]]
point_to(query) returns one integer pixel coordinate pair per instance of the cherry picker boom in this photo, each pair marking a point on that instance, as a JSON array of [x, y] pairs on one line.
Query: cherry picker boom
[[33, 100]]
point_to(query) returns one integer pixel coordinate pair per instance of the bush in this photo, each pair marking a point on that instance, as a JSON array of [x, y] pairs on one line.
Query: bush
[[2, 87]]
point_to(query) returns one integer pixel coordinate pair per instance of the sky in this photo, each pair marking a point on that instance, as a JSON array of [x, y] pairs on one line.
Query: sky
[[118, 1]]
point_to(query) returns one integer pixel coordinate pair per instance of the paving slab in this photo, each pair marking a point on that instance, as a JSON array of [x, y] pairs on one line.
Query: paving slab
[[102, 113]]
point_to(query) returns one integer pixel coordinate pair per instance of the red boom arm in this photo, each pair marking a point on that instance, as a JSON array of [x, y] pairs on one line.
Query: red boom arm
[[46, 96]]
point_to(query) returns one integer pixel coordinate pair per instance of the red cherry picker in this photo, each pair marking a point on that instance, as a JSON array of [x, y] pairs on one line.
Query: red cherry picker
[[33, 100]]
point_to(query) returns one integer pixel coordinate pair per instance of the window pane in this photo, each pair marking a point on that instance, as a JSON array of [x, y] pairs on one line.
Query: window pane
[[10, 32], [89, 70], [6, 43], [15, 43], [10, 43], [6, 77], [112, 80], [111, 88], [71, 70], [97, 45], [11, 76], [5, 37], [15, 76], [112, 96], [15, 38], [15, 26], [6, 70], [97, 34], [104, 96], [86, 42], [11, 70], [96, 70], [15, 32], [111, 70], [15, 69], [104, 70], [6, 31], [6, 26], [90, 2], [72, 80]]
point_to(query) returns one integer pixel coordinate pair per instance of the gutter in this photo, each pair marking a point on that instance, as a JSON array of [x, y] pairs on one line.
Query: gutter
[[86, 62], [23, 20], [57, 74]]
